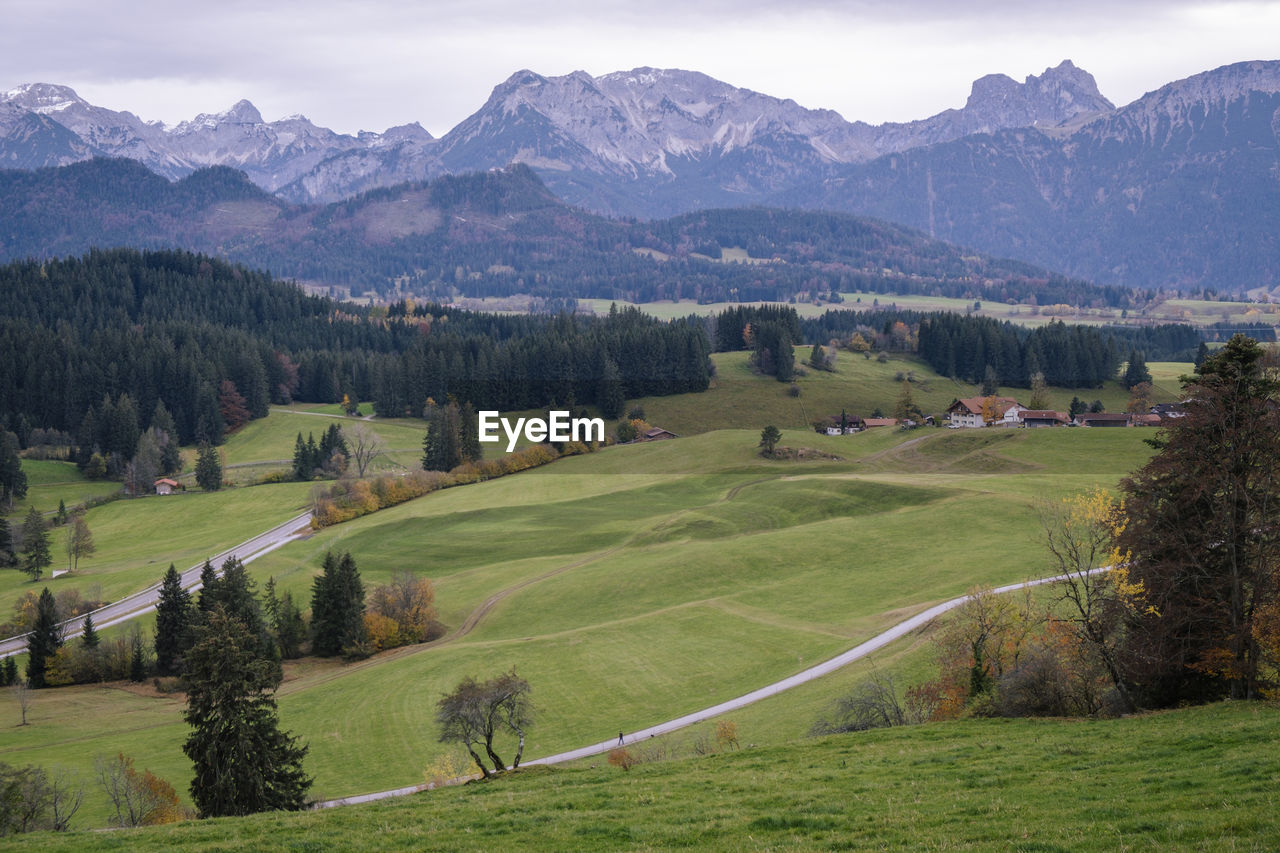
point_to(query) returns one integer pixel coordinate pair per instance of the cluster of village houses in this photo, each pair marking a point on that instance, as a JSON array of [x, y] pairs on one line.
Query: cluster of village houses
[[977, 412]]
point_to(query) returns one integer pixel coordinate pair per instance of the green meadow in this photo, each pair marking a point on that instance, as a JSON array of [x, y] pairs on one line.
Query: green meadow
[[137, 538], [740, 398], [1196, 779], [50, 482], [629, 586]]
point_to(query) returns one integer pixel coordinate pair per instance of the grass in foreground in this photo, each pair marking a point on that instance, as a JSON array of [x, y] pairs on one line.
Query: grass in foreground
[[1196, 779]]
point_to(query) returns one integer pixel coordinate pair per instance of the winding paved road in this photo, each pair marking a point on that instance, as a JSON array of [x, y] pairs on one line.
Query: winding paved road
[[141, 602], [827, 667]]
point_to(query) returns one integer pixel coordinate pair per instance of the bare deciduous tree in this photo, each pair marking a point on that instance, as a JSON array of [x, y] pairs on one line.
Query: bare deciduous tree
[[365, 446], [140, 799], [22, 693], [79, 542], [1080, 533], [475, 712]]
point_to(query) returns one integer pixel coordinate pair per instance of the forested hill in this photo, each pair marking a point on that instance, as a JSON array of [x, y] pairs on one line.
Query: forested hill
[[501, 233], [79, 336]]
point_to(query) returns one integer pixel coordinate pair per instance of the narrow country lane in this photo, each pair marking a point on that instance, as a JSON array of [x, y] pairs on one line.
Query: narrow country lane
[[827, 667], [140, 602]]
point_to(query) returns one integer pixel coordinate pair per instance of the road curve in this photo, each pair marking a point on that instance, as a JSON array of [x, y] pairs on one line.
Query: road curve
[[140, 602], [825, 668]]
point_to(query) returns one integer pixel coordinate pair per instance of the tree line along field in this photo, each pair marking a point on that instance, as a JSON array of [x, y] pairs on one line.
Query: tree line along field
[[630, 598], [1200, 778], [1195, 312], [738, 398]]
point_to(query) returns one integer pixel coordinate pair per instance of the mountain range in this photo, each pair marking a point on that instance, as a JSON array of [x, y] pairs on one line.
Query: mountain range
[[1178, 188], [501, 233]]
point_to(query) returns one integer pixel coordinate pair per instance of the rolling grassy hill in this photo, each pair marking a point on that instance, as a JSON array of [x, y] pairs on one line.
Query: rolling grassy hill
[[630, 586], [1195, 779]]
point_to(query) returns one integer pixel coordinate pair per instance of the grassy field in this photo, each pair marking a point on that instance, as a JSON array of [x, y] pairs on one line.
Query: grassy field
[[1197, 779], [269, 442], [630, 586], [49, 482], [137, 539], [739, 397], [1195, 312]]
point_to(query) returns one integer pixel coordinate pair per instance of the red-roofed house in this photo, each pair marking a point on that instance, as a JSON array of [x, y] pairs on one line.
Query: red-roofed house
[[984, 411]]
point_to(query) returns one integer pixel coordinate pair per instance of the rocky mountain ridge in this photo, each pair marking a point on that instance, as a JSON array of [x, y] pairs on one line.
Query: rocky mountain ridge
[[644, 124], [1179, 188]]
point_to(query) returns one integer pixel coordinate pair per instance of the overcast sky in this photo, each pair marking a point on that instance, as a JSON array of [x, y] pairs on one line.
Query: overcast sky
[[376, 63]]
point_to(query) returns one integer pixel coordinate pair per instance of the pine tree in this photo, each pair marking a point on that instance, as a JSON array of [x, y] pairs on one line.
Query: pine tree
[[209, 468], [1136, 372], [89, 634], [905, 407], [1201, 537], [337, 607], [44, 640], [9, 674], [440, 449], [469, 449], [291, 629], [234, 592], [173, 622], [13, 480], [302, 465], [137, 663], [208, 587], [313, 454], [609, 396], [35, 545], [6, 542], [243, 762]]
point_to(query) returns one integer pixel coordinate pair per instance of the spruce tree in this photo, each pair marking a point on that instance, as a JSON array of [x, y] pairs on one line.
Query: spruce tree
[[469, 449], [237, 596], [337, 607], [9, 674], [44, 640], [291, 629], [13, 480], [35, 545], [6, 542], [208, 587], [89, 634], [440, 448], [208, 468], [1136, 372], [137, 663], [173, 622], [243, 762], [302, 466], [609, 394]]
